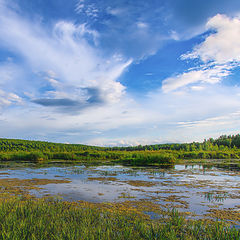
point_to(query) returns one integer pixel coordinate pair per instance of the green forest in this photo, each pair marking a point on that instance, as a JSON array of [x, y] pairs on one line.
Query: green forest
[[224, 147]]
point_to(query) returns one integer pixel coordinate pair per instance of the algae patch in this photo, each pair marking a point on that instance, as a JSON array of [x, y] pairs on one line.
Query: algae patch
[[15, 186]]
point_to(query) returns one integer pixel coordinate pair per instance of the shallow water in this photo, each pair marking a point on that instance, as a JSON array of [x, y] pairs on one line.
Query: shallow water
[[191, 188]]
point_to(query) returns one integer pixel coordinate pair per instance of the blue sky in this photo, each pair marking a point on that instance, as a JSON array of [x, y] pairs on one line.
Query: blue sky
[[119, 72]]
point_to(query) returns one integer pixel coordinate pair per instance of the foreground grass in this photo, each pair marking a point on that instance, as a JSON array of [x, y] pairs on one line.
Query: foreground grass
[[43, 219]]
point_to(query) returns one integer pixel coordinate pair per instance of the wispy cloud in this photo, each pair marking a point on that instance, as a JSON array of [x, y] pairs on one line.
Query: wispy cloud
[[79, 7], [89, 9], [68, 52], [209, 73], [9, 98], [136, 29]]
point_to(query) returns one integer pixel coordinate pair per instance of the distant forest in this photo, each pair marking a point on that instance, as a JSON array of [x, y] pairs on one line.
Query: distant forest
[[224, 142], [224, 147]]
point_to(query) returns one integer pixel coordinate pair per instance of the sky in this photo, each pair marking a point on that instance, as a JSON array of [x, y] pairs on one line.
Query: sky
[[119, 72]]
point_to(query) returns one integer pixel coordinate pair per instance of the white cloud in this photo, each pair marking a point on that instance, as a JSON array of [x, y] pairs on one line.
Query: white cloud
[[123, 142], [197, 88], [79, 6], [9, 72], [213, 126], [142, 25], [115, 11], [89, 9], [222, 46], [224, 120], [219, 52], [66, 52], [208, 74]]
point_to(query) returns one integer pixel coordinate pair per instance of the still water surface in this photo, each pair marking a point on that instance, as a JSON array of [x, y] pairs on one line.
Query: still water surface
[[194, 188]]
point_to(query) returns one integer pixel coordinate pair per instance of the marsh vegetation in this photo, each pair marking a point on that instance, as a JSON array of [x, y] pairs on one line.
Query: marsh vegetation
[[41, 219], [62, 191], [224, 147]]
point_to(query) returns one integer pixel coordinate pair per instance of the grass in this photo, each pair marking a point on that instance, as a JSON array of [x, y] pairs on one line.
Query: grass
[[43, 219], [165, 158]]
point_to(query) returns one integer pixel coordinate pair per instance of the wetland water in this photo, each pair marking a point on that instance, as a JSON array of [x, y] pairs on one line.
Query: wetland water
[[196, 189]]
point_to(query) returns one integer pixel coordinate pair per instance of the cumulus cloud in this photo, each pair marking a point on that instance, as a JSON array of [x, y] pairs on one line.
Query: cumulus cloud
[[219, 54], [222, 46]]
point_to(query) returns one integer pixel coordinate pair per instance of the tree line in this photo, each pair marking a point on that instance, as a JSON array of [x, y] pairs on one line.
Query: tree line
[[224, 147], [222, 143]]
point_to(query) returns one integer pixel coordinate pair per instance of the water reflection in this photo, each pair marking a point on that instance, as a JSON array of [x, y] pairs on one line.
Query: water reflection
[[216, 196], [195, 188]]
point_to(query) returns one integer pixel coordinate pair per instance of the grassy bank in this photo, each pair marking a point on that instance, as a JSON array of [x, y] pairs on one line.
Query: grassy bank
[[133, 158], [42, 219], [160, 154]]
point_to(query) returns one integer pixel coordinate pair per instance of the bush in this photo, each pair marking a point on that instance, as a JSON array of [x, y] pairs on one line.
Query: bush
[[151, 159]]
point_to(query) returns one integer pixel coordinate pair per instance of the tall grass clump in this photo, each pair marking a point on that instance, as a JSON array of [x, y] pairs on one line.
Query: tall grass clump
[[23, 156]]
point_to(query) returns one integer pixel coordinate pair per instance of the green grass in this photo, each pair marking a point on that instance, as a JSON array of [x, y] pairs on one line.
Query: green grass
[[133, 158], [46, 220]]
